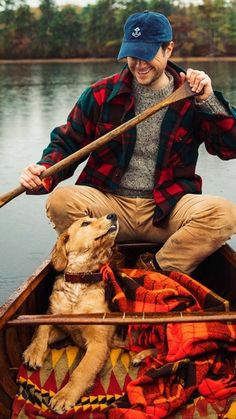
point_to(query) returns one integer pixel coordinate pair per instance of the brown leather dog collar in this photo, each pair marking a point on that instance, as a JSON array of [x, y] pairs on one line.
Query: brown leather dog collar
[[83, 277]]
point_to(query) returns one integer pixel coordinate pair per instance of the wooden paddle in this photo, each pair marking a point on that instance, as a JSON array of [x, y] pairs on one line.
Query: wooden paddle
[[183, 92]]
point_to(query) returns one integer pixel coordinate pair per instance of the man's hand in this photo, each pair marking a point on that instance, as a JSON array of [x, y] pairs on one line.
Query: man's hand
[[30, 176], [199, 82]]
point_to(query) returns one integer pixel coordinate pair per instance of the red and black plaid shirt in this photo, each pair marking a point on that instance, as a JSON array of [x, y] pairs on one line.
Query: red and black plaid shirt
[[107, 104]]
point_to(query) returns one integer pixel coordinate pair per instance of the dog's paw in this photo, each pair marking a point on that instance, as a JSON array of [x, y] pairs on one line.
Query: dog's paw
[[139, 357], [34, 356], [136, 360], [64, 400]]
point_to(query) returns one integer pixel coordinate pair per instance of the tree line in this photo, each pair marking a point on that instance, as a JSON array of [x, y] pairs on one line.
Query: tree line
[[204, 29]]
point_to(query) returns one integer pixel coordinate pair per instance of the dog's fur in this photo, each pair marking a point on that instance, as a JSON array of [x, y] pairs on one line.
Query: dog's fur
[[84, 247]]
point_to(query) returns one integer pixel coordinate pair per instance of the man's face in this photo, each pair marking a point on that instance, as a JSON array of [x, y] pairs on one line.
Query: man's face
[[151, 73]]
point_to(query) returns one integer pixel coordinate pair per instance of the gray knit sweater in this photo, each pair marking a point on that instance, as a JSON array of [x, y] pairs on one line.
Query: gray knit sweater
[[138, 180]]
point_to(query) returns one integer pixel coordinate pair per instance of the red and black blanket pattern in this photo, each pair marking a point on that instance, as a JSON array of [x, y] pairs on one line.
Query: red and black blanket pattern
[[193, 373], [191, 357]]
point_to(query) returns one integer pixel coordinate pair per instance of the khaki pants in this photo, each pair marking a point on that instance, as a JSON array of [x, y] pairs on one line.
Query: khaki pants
[[196, 227]]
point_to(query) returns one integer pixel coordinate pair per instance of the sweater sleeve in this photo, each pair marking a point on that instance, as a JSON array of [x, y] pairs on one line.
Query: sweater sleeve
[[213, 105]]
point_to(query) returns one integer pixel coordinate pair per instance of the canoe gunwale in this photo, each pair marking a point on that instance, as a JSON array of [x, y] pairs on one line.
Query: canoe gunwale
[[229, 253]]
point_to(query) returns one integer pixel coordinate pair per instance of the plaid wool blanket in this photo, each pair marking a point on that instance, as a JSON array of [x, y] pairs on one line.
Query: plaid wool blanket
[[192, 375]]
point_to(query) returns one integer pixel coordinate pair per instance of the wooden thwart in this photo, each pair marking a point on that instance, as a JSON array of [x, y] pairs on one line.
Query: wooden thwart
[[124, 318], [183, 92]]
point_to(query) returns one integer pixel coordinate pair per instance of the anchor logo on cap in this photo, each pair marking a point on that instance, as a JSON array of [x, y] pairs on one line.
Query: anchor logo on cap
[[136, 32]]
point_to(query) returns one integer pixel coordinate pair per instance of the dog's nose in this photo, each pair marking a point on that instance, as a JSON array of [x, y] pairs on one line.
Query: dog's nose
[[112, 217]]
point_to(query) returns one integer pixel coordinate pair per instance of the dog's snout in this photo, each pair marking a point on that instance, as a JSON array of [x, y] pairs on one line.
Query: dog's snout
[[112, 217]]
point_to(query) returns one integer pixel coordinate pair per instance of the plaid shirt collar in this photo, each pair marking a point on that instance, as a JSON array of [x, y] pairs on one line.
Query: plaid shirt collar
[[124, 84]]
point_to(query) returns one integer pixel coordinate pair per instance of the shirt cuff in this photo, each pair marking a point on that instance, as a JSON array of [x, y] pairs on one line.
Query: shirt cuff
[[212, 105]]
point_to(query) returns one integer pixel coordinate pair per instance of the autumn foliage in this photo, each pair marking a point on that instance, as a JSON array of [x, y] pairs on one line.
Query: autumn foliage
[[204, 28]]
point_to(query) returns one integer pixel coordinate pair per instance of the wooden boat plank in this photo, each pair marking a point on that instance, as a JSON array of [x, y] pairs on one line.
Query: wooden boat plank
[[7, 383], [218, 272], [4, 411], [14, 347], [229, 254]]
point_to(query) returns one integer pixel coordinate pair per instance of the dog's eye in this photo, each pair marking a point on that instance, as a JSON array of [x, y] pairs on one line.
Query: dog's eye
[[85, 223]]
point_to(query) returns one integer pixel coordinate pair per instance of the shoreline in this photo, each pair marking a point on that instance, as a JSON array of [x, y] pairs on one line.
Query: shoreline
[[96, 60]]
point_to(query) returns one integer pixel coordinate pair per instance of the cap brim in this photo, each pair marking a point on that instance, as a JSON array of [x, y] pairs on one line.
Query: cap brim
[[141, 50]]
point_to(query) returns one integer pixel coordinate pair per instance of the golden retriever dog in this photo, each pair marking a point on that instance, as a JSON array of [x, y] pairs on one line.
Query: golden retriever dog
[[78, 255]]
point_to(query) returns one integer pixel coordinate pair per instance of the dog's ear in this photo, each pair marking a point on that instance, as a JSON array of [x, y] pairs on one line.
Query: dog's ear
[[59, 255]]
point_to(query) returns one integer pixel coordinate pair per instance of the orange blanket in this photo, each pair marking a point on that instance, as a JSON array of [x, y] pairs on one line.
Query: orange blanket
[[192, 357]]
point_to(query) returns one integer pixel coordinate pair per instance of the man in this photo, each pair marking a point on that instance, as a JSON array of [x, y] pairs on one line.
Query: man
[[147, 175]]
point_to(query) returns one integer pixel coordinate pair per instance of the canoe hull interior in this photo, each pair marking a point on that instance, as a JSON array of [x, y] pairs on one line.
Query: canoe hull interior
[[218, 272]]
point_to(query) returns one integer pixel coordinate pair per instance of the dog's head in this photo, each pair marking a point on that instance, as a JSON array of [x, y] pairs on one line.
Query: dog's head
[[86, 244]]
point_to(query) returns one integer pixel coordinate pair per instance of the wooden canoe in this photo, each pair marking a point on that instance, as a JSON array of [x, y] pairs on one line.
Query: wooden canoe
[[218, 272]]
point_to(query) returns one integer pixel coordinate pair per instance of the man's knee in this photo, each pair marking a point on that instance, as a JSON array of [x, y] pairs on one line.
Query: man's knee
[[57, 201], [219, 216], [58, 208]]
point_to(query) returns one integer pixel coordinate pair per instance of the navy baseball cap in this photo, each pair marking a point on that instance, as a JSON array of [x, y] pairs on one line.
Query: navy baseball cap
[[144, 33]]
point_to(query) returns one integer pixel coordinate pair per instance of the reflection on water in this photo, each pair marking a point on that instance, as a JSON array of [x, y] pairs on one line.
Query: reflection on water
[[34, 98]]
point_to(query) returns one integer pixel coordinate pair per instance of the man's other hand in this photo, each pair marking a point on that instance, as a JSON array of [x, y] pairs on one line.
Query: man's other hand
[[199, 82]]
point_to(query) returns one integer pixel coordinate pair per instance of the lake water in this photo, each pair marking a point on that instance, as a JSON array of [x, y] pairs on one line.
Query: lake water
[[34, 98]]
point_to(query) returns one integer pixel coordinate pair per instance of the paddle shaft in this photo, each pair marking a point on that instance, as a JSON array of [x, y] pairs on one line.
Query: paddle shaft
[[183, 92], [124, 318]]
